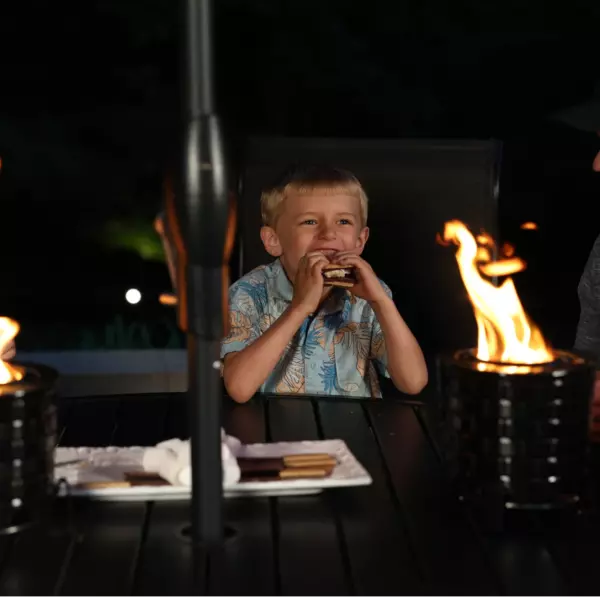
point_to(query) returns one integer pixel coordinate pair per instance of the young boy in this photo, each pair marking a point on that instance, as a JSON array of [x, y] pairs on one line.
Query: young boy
[[290, 333]]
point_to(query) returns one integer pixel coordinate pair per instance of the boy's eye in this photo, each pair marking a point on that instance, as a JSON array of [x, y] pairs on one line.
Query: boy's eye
[[345, 222], [309, 222]]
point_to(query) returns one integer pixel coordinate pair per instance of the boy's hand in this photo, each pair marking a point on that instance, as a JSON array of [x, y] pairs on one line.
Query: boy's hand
[[368, 287], [308, 284]]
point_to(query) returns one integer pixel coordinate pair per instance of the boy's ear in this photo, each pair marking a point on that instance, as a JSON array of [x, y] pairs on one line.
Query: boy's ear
[[270, 241], [363, 236]]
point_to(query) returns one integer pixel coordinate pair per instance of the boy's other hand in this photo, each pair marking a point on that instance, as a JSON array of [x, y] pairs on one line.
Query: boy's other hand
[[308, 284], [368, 286]]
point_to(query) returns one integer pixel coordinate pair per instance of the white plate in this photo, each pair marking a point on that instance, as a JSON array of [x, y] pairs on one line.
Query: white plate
[[110, 464]]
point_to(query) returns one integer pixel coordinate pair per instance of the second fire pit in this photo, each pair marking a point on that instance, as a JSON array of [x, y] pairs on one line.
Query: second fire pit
[[518, 410], [519, 430]]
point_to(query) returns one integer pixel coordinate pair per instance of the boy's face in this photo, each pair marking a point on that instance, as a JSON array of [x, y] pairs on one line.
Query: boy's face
[[328, 223]]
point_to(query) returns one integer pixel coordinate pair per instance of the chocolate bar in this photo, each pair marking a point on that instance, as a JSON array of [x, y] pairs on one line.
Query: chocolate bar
[[297, 466]]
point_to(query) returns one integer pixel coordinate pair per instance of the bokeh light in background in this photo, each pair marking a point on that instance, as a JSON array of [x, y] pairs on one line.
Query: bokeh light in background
[[133, 296]]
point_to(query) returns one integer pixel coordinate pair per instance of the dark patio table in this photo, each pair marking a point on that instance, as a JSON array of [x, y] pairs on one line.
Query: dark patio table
[[405, 534]]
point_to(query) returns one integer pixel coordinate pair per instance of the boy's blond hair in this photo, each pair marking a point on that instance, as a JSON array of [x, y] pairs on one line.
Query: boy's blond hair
[[307, 180]]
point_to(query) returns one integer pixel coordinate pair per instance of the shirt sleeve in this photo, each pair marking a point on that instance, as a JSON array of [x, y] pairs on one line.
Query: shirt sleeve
[[244, 318], [378, 351], [588, 329]]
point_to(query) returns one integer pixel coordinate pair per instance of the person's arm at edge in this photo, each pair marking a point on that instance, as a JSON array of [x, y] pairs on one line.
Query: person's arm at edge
[[588, 327]]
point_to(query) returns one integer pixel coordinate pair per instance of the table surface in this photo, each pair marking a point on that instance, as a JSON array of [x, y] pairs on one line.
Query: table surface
[[405, 534]]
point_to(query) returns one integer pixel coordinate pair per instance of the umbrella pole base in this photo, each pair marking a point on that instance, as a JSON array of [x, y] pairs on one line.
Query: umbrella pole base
[[185, 534]]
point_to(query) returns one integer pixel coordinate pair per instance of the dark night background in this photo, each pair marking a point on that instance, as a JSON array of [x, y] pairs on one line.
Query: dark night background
[[89, 103]]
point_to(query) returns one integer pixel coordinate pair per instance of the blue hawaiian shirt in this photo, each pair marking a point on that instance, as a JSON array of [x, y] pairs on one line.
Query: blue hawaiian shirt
[[336, 351]]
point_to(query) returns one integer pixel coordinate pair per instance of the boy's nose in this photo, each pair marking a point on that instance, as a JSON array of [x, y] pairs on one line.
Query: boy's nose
[[327, 232]]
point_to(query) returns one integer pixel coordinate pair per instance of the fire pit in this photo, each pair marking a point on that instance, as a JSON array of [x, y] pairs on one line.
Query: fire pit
[[27, 439], [518, 409]]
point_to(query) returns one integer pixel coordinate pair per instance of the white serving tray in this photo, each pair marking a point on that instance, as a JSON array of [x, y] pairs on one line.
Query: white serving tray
[[110, 464]]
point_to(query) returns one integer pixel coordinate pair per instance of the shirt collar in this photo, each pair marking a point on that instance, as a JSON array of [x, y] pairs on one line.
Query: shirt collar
[[283, 289]]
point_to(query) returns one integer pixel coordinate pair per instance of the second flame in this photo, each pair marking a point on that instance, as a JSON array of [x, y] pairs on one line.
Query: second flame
[[505, 333]]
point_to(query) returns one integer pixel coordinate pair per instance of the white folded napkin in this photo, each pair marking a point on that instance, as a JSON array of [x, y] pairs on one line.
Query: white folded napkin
[[171, 459]]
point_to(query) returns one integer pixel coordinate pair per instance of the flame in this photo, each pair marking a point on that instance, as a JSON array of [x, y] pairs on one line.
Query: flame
[[440, 241], [507, 266], [505, 333], [8, 331], [484, 239], [529, 226], [168, 299], [483, 255], [508, 250]]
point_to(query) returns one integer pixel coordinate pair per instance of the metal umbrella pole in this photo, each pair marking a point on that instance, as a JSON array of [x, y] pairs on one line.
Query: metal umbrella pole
[[200, 218]]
